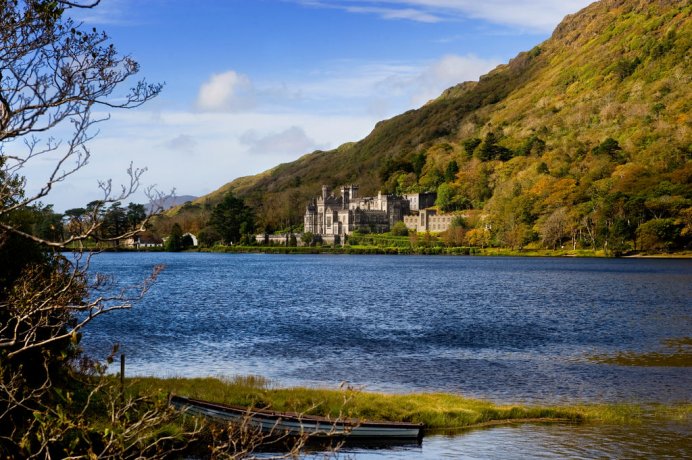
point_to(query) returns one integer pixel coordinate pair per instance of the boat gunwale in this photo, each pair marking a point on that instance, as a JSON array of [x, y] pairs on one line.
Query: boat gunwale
[[294, 416]]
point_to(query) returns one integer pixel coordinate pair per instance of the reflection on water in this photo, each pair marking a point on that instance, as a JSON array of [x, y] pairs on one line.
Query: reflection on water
[[545, 441], [505, 329]]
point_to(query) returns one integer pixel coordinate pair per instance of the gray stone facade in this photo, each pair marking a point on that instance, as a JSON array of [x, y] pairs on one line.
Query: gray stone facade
[[427, 220], [418, 201], [332, 217]]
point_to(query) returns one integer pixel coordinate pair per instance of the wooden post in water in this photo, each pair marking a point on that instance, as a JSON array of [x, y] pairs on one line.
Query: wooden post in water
[[122, 378]]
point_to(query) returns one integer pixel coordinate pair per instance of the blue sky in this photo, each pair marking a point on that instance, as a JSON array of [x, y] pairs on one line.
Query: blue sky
[[254, 83]]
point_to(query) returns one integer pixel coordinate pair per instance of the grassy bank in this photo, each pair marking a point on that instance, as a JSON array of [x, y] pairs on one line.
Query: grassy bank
[[432, 250], [674, 353], [400, 250], [438, 411], [360, 250]]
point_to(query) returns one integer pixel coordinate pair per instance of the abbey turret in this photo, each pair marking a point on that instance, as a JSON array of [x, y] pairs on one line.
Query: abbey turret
[[333, 217]]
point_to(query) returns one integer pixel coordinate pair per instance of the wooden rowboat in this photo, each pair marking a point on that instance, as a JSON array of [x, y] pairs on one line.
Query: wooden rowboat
[[298, 424]]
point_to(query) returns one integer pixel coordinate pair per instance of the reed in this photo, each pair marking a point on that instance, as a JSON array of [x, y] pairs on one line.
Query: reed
[[436, 410]]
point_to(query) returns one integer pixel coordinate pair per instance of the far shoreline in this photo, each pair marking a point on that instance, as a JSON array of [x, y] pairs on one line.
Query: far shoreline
[[420, 251]]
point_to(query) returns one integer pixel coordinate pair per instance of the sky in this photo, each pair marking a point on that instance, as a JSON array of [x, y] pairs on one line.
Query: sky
[[250, 84]]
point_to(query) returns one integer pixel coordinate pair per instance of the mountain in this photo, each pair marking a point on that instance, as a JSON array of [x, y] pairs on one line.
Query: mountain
[[587, 134], [172, 201]]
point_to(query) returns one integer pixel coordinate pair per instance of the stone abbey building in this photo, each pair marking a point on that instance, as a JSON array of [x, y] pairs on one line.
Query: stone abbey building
[[333, 217]]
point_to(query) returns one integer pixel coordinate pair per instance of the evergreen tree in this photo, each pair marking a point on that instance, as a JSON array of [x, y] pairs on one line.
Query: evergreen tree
[[451, 171], [231, 218], [135, 214], [174, 243]]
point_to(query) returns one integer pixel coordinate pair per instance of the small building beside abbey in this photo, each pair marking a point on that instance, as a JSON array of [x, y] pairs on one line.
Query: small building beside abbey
[[427, 220], [334, 217]]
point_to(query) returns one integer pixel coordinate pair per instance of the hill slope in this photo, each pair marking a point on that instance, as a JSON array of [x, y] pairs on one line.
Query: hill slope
[[586, 136]]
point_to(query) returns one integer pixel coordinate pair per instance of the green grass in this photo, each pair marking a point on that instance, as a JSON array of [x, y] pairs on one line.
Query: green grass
[[537, 252], [678, 353], [397, 249], [438, 411], [422, 250]]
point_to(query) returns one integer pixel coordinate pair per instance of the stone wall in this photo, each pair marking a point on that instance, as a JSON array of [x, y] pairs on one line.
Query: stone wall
[[427, 220]]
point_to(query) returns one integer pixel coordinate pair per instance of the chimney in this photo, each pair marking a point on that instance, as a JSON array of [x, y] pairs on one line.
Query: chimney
[[354, 192], [344, 197], [326, 191]]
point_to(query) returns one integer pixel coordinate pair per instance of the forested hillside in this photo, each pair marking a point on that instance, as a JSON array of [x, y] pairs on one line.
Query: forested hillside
[[582, 141]]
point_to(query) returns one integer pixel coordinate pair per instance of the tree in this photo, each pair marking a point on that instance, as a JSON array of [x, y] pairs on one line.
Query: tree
[[418, 163], [48, 224], [53, 73], [658, 235], [554, 229], [208, 236], [533, 145], [609, 147], [405, 183], [456, 233], [307, 238], [448, 198], [135, 214], [478, 237], [174, 243], [626, 67], [491, 150], [470, 146], [511, 216], [400, 229], [432, 179], [451, 171], [114, 221], [231, 218]]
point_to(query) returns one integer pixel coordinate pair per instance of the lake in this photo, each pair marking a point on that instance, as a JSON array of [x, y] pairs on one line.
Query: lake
[[505, 329]]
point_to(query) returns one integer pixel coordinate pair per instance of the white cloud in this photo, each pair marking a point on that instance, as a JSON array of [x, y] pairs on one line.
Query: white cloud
[[449, 71], [542, 15], [539, 15], [290, 141], [338, 102], [111, 12], [228, 91], [384, 89], [182, 143], [428, 81], [226, 146], [352, 80], [393, 13]]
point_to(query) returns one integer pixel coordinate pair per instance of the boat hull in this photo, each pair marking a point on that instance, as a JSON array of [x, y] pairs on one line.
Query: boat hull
[[297, 424]]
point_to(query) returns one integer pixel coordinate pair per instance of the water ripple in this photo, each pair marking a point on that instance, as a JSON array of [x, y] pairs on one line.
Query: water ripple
[[501, 328]]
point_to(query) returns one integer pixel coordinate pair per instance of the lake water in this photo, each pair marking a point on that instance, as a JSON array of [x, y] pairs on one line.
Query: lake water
[[504, 329]]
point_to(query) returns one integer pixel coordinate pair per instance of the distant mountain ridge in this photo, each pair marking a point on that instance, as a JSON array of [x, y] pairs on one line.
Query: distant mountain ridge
[[172, 201], [599, 111]]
